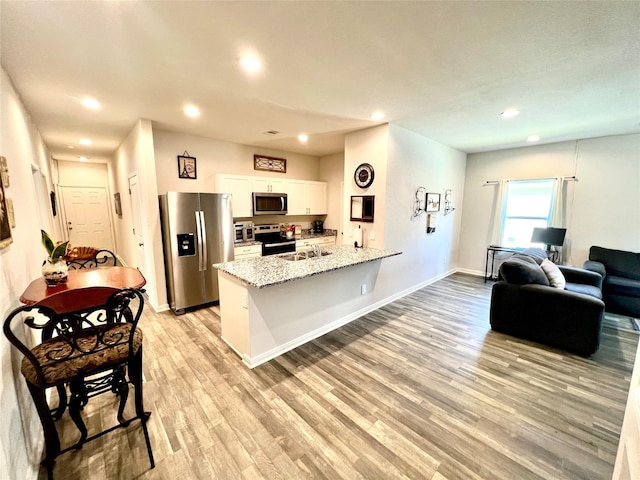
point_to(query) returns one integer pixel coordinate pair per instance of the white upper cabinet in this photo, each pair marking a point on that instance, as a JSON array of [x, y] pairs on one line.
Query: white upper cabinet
[[304, 197], [239, 186], [316, 198], [295, 193], [268, 184]]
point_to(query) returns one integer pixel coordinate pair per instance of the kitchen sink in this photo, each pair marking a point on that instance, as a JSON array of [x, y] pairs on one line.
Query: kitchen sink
[[294, 257]]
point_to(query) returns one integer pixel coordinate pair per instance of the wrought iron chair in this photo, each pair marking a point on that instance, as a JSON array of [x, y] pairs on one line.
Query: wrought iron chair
[[93, 350], [90, 257]]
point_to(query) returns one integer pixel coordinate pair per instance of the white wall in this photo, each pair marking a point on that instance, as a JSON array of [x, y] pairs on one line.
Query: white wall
[[136, 156], [604, 204], [218, 156], [366, 146], [332, 172], [416, 161], [403, 161], [80, 174], [20, 263]]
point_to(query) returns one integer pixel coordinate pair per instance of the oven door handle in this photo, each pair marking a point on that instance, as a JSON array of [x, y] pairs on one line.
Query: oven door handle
[[283, 244]]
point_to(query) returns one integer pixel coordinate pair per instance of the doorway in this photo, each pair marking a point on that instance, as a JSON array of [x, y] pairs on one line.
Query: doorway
[[87, 217], [136, 215]]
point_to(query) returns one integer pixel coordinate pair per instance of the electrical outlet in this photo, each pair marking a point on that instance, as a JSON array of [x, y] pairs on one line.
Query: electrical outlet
[[363, 289]]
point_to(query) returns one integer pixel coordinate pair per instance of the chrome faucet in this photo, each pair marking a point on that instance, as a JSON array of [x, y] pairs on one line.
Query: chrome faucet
[[317, 250]]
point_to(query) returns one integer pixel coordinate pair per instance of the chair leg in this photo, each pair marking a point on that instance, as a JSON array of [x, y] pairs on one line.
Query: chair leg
[[135, 374], [77, 402], [121, 387], [51, 438], [62, 402]]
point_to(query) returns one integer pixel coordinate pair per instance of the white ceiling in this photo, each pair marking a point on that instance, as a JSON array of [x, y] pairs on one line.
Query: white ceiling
[[443, 69]]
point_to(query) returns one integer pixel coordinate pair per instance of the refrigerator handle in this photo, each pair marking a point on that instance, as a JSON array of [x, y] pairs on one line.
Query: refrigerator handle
[[199, 233], [203, 227]]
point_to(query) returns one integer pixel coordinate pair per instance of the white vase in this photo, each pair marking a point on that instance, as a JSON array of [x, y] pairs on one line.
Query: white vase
[[55, 273]]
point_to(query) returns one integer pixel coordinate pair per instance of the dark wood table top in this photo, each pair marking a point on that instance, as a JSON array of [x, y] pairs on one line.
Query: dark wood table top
[[111, 278]]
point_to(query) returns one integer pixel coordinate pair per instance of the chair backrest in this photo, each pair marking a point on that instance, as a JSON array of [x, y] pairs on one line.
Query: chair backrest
[[89, 257], [619, 263], [72, 336]]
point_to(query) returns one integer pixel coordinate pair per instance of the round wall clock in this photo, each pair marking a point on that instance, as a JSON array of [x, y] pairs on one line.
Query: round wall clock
[[363, 175]]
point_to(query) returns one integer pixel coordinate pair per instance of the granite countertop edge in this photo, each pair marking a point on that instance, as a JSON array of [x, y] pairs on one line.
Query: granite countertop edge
[[262, 272]]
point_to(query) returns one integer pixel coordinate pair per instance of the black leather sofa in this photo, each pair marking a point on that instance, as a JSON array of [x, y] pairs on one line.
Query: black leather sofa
[[523, 304], [621, 273]]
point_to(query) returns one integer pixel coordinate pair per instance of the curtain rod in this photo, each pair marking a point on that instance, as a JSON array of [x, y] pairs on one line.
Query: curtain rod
[[572, 178]]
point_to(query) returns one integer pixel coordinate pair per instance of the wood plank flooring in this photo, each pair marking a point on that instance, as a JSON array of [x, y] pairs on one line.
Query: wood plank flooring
[[419, 389]]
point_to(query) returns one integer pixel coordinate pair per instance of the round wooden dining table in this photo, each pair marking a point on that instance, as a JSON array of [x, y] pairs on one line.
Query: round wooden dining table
[[111, 278]]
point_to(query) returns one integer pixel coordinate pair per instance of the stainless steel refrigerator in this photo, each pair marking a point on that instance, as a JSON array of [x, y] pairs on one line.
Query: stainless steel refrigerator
[[197, 231]]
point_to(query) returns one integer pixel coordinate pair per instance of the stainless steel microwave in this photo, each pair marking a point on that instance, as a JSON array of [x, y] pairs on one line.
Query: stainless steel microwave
[[267, 203]]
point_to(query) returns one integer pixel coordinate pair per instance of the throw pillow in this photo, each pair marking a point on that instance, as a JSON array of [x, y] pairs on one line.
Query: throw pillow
[[553, 273], [538, 254], [520, 272]]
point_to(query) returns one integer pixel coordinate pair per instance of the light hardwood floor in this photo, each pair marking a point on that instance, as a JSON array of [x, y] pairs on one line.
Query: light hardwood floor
[[421, 388]]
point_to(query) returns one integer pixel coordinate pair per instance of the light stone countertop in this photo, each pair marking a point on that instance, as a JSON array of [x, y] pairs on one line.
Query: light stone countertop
[[261, 272]]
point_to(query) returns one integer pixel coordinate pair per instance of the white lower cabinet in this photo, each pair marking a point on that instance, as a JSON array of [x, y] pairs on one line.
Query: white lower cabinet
[[307, 243], [247, 251]]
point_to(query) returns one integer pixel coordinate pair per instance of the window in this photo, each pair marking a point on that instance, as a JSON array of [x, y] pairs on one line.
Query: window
[[528, 204]]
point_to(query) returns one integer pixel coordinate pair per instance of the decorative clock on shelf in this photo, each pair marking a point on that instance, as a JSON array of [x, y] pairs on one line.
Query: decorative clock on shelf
[[363, 175]]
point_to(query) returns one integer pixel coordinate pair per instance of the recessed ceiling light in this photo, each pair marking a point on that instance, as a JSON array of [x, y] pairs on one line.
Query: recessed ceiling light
[[303, 137], [510, 113], [377, 116], [85, 141], [70, 147], [91, 103], [83, 159], [191, 111], [533, 138], [250, 63]]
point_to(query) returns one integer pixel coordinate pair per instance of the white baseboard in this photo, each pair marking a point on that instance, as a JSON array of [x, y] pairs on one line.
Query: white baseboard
[[475, 273]]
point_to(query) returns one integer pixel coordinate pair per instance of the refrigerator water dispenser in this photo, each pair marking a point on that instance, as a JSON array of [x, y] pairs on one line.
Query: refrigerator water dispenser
[[186, 244]]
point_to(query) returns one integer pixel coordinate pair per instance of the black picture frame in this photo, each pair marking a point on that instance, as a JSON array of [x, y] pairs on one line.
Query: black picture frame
[[432, 203], [187, 167], [54, 207], [362, 208]]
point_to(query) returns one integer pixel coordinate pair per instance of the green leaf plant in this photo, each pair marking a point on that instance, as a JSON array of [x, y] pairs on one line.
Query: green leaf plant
[[54, 250]]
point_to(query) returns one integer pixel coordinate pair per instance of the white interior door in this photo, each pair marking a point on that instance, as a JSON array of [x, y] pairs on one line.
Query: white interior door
[[87, 214], [136, 216]]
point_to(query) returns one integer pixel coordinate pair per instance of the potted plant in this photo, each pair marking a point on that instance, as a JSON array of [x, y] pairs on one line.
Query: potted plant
[[54, 269]]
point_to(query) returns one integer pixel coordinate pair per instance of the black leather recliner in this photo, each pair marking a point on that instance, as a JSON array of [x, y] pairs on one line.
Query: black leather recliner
[[523, 304], [621, 273]]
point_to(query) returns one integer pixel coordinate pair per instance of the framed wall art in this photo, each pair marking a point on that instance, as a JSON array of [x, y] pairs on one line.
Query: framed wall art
[[117, 204], [433, 202], [11, 212], [5, 227], [187, 167], [4, 171], [271, 164]]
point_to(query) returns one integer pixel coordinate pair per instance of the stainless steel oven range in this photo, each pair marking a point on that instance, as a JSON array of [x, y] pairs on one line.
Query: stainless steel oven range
[[272, 241]]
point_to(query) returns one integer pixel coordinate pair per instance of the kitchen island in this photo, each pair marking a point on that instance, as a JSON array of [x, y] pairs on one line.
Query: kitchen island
[[270, 305]]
